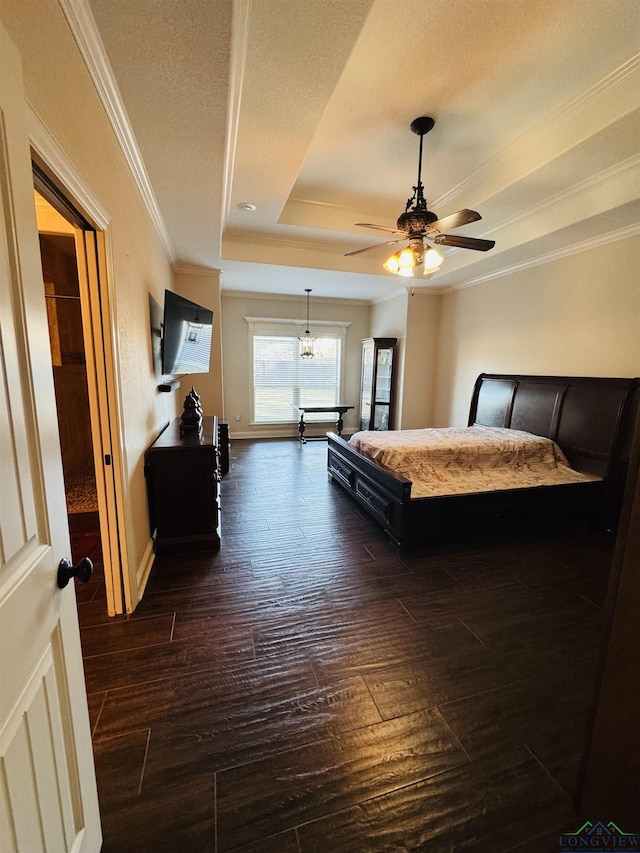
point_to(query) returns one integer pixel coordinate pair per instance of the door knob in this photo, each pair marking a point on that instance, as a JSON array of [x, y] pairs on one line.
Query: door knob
[[66, 571]]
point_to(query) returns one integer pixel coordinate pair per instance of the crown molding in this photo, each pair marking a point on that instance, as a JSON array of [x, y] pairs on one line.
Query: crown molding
[[283, 297], [610, 183], [547, 257], [593, 102], [85, 33], [180, 268], [288, 321]]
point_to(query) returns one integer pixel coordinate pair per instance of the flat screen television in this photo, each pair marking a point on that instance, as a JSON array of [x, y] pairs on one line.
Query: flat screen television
[[186, 336]]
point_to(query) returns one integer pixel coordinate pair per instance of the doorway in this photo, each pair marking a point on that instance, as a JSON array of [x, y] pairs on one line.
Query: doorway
[[74, 264], [66, 336]]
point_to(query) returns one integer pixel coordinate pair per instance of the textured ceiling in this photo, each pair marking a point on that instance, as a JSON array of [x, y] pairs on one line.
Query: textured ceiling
[[303, 107]]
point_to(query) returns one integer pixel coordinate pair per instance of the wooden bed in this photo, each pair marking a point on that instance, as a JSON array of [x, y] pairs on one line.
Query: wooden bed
[[590, 419]]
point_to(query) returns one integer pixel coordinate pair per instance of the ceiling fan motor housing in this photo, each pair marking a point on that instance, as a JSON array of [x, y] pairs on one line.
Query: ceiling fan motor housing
[[416, 221]]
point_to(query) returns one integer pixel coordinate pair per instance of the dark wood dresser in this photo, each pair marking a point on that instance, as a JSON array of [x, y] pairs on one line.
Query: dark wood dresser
[[183, 474]]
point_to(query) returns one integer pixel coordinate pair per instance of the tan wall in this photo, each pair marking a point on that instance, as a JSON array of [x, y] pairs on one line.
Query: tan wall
[[413, 320], [420, 360], [579, 315], [235, 346], [59, 89], [203, 286]]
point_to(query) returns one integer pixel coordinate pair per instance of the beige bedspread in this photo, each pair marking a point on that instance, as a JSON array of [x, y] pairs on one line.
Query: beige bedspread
[[473, 459]]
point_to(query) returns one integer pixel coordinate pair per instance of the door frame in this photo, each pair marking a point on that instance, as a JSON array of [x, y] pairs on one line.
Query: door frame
[[74, 200]]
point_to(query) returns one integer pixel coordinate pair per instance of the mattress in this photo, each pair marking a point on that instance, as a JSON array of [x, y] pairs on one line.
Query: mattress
[[469, 460]]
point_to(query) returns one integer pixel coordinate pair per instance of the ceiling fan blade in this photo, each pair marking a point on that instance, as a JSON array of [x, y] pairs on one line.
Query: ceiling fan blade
[[464, 242], [377, 246], [379, 227], [455, 220]]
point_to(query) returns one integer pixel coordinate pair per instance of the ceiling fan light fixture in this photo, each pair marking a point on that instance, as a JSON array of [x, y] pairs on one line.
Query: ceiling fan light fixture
[[418, 223], [406, 260], [401, 263], [432, 261], [391, 264]]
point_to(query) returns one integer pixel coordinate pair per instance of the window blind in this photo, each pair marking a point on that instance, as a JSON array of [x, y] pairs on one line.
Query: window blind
[[283, 380]]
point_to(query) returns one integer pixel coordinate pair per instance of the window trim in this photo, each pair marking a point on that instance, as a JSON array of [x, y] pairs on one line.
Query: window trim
[[287, 327]]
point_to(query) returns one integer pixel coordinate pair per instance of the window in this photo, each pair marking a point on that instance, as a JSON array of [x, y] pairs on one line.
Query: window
[[283, 380]]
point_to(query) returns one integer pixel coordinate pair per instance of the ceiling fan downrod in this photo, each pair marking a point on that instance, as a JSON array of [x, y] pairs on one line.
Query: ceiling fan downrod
[[416, 216], [420, 126]]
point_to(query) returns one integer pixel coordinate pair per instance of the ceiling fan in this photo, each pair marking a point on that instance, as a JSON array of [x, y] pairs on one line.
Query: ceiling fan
[[417, 224]]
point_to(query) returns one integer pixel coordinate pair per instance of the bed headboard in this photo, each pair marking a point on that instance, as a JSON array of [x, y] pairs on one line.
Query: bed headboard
[[590, 418]]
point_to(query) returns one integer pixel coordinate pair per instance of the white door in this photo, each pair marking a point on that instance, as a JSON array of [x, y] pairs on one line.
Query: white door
[[48, 798]]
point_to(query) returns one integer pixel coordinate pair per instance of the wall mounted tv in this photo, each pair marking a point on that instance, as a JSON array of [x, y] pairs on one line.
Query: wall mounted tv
[[186, 336]]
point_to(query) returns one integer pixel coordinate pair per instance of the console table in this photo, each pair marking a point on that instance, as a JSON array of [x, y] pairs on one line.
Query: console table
[[339, 410]]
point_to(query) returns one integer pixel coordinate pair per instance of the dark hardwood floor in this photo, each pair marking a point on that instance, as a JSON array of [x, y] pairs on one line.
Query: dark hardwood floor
[[307, 688]]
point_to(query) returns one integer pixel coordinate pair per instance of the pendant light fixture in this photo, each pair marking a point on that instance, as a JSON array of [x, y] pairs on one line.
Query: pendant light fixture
[[306, 343]]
